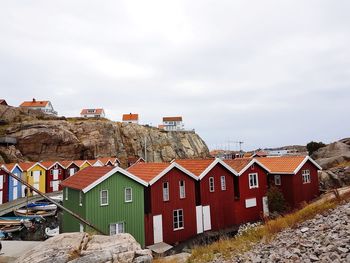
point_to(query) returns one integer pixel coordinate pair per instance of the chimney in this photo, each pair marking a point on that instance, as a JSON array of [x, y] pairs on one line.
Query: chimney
[[34, 100]]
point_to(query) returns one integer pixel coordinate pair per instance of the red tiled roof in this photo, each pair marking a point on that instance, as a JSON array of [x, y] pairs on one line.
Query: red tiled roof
[[130, 117], [26, 165], [147, 171], [195, 166], [238, 164], [9, 166], [283, 164], [65, 163], [178, 118], [34, 103], [48, 164], [85, 177], [97, 111]]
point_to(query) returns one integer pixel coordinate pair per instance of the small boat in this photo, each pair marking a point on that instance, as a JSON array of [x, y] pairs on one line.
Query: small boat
[[44, 206], [33, 213], [52, 232], [11, 228], [10, 222]]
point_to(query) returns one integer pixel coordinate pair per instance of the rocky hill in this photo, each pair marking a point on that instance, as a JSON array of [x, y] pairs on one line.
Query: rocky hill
[[43, 137]]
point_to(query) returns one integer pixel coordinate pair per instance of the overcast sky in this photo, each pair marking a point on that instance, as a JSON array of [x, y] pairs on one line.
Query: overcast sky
[[269, 73]]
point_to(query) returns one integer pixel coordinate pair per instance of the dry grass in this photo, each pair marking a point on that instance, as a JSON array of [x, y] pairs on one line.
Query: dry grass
[[344, 164], [237, 245]]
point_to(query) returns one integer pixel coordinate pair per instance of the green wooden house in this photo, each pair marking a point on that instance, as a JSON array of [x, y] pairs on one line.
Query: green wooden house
[[110, 198]]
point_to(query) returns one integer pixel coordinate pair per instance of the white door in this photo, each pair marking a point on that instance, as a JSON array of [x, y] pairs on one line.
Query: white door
[[0, 197], [1, 187], [55, 174], [206, 218], [15, 193], [157, 229], [265, 206], [55, 185], [81, 228], [71, 171], [199, 219], [36, 180], [23, 190]]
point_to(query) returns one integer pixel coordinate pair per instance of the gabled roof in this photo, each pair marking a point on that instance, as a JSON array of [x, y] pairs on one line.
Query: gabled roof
[[66, 163], [29, 165], [34, 103], [96, 111], [200, 167], [2, 101], [11, 166], [105, 160], [94, 162], [242, 164], [286, 164], [130, 117], [80, 163], [49, 164], [90, 177], [152, 172], [177, 118]]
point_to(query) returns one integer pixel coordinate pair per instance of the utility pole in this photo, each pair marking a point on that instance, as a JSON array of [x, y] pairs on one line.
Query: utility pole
[[240, 147], [145, 149]]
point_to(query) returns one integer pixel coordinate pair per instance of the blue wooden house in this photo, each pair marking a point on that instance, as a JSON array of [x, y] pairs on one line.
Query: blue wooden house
[[15, 188]]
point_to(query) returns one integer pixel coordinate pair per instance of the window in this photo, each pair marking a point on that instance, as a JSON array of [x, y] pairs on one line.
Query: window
[[223, 182], [182, 189], [128, 195], [166, 191], [253, 181], [178, 219], [211, 184], [277, 179], [66, 193], [91, 111], [71, 171], [250, 202], [103, 197], [80, 198], [116, 228], [15, 182], [306, 176]]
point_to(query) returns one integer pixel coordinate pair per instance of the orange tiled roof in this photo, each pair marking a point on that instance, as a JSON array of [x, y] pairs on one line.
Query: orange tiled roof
[[195, 166], [26, 165], [97, 111], [34, 103], [283, 164], [178, 118], [84, 178], [79, 162], [48, 164], [9, 166], [238, 164], [65, 163], [130, 117], [147, 171]]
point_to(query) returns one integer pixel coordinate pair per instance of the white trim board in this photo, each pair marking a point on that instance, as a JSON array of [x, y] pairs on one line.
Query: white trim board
[[212, 165], [253, 161], [171, 166]]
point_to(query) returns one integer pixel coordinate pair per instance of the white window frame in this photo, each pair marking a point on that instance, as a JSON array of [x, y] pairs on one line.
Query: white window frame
[[211, 185], [101, 197], [80, 198], [306, 176], [126, 195], [253, 183], [223, 182], [277, 178], [182, 189], [117, 229], [15, 182], [177, 223], [66, 193], [166, 195]]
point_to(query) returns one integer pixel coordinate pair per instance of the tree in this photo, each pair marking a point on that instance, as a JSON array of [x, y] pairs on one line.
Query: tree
[[276, 200], [314, 146]]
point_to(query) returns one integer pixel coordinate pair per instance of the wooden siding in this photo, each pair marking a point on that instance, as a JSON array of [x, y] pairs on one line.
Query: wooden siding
[[221, 202], [70, 224], [42, 180], [49, 178], [255, 213], [18, 172], [66, 171], [4, 189], [117, 210], [165, 208]]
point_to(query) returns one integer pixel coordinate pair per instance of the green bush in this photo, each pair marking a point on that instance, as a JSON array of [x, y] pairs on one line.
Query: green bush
[[314, 146], [277, 203]]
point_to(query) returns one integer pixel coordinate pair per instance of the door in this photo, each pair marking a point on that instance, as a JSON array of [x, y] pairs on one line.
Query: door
[[81, 228], [1, 187], [55, 185], [71, 171], [36, 181], [265, 206], [157, 229], [15, 193], [55, 174], [206, 218], [199, 219]]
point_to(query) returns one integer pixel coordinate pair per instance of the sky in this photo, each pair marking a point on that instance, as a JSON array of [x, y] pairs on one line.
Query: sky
[[268, 73]]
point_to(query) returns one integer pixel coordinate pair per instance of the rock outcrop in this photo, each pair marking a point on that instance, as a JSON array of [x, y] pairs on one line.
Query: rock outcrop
[[81, 247], [42, 137], [325, 238]]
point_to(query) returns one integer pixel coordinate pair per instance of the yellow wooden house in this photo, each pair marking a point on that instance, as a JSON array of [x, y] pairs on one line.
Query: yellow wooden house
[[35, 175]]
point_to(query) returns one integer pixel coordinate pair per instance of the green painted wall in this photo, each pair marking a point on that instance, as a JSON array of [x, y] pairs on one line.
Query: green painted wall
[[117, 210], [70, 224]]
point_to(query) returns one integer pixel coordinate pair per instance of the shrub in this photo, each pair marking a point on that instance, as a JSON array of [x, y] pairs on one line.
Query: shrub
[[277, 203], [314, 146]]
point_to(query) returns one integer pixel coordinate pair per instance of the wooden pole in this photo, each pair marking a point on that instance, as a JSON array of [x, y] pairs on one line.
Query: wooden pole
[[54, 202]]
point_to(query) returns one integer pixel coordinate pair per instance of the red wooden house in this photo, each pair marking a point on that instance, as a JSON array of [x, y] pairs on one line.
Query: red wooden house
[[54, 175], [214, 193], [295, 176], [251, 202], [4, 182], [70, 168], [170, 202]]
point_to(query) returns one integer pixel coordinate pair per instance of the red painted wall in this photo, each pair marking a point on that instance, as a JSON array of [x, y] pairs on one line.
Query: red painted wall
[[66, 171], [49, 177], [221, 202], [165, 208], [294, 190], [255, 213], [5, 186]]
